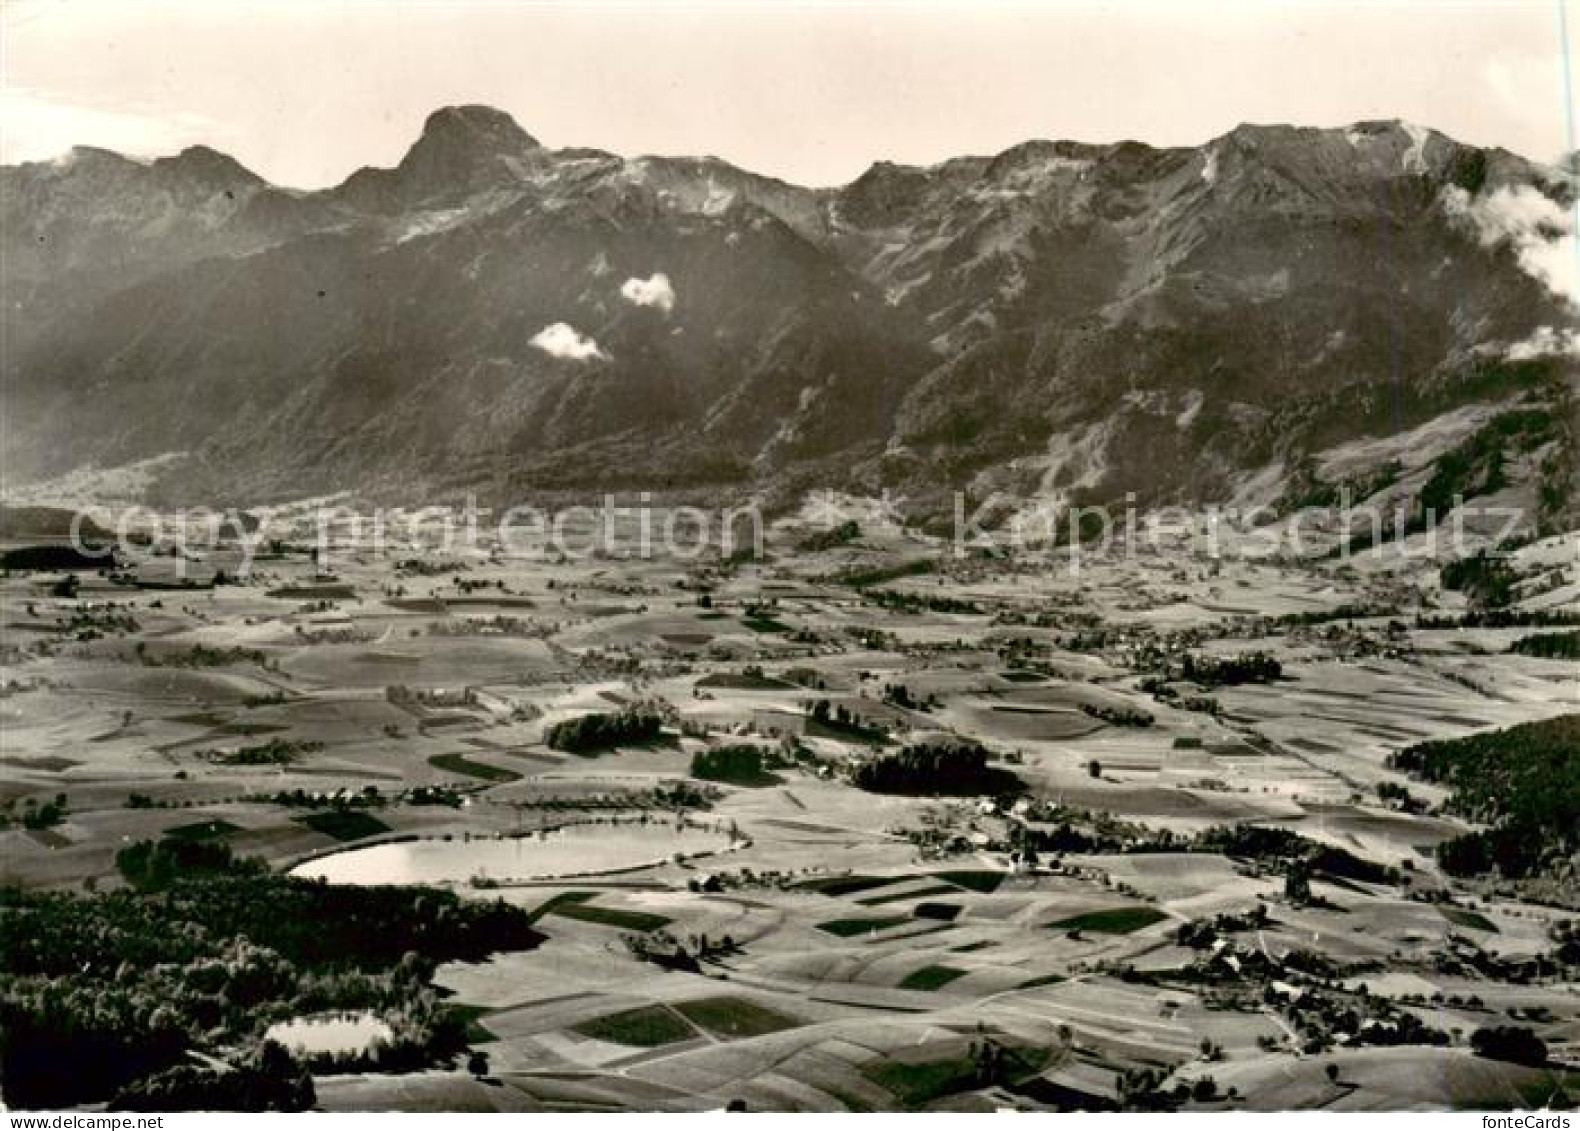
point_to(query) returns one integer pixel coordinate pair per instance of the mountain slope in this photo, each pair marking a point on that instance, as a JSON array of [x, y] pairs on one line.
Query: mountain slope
[[498, 316]]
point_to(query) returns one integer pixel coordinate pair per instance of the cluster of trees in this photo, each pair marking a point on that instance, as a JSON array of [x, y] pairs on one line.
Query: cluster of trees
[[1486, 580], [993, 1063], [368, 797], [1512, 1043], [1065, 829], [664, 795], [1297, 883], [36, 814], [155, 865], [1163, 692], [1228, 671], [202, 656], [340, 800], [838, 717], [1524, 782], [951, 766], [473, 584], [88, 622], [1549, 646], [667, 950], [916, 602], [740, 764], [901, 696], [275, 752], [1290, 852], [1118, 716], [1396, 796], [1502, 618], [1506, 851], [1567, 935], [1142, 1089], [1347, 612], [1321, 1017], [1029, 844], [599, 731], [1199, 934], [400, 695]]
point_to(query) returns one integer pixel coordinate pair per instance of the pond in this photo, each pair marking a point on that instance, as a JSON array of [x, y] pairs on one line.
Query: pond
[[330, 1032], [572, 850]]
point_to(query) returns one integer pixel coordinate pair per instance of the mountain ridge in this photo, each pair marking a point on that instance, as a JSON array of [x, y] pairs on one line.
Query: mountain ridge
[[1083, 320]]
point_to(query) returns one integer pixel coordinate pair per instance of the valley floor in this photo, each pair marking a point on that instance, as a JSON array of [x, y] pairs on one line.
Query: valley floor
[[793, 942]]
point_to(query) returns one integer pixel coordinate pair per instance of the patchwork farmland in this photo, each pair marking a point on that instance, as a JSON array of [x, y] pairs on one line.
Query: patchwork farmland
[[1153, 887]]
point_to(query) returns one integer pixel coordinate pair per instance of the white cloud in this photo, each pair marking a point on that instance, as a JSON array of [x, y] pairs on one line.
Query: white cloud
[[650, 292], [565, 341], [1546, 342], [1540, 231]]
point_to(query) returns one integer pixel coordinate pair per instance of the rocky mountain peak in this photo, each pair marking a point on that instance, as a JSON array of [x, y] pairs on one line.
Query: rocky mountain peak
[[209, 167], [462, 149], [475, 129]]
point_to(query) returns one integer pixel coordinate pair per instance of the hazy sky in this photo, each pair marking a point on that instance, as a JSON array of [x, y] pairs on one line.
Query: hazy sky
[[305, 92]]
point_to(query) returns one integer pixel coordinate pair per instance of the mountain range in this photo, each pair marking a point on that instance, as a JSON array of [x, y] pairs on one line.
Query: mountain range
[[1247, 318]]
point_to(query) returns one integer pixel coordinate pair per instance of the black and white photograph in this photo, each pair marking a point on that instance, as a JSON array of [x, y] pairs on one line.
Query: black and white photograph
[[792, 556]]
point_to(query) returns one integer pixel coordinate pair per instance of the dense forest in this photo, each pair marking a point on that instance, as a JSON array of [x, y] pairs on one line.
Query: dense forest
[[1523, 782], [1549, 645], [107, 997]]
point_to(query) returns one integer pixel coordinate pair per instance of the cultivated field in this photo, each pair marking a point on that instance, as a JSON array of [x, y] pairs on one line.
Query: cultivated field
[[789, 940]]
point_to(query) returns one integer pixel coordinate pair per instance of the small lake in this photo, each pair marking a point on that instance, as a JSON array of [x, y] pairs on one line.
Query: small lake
[[572, 850], [330, 1032]]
